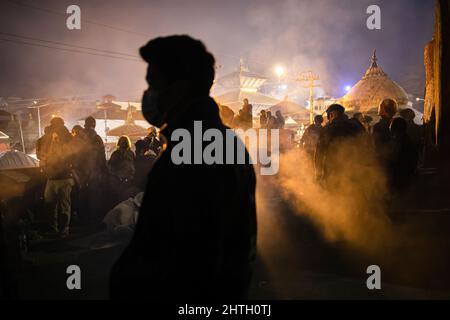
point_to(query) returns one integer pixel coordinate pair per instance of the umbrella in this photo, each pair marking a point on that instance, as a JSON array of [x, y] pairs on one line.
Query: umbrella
[[13, 159]]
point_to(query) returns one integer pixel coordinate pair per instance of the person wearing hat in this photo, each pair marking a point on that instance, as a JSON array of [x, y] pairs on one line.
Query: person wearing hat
[[195, 236], [59, 163], [95, 168], [332, 138], [311, 136]]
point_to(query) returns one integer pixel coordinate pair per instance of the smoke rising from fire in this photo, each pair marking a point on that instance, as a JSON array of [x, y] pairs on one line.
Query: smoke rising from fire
[[351, 205]]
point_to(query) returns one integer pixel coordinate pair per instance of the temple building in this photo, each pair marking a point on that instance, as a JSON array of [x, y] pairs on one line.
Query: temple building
[[232, 89], [374, 87]]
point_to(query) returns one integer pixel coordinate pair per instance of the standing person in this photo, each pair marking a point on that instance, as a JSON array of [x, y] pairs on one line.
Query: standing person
[[280, 120], [95, 164], [59, 185], [246, 116], [271, 121], [80, 174], [403, 157], [311, 136], [152, 141], [413, 130], [367, 123], [195, 236], [143, 164], [121, 168], [42, 145], [333, 144], [381, 133], [121, 163], [263, 119], [358, 119]]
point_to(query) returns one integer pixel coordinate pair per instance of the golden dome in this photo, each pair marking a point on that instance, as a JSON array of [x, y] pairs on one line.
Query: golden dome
[[373, 88]]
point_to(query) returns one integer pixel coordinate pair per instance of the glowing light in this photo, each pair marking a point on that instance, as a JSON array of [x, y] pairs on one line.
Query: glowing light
[[279, 70], [348, 88]]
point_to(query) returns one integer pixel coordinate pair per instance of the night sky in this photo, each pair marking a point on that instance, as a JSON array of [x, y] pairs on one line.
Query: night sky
[[327, 36]]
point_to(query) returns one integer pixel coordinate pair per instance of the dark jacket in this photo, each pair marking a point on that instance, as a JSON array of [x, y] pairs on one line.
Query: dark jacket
[[196, 233], [59, 162], [334, 142], [96, 162]]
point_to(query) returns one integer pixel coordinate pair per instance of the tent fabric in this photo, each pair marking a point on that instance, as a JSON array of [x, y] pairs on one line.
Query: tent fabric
[[290, 108], [234, 99], [13, 159], [130, 130]]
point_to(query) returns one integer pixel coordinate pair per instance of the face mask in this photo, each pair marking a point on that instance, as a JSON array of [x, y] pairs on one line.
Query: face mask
[[151, 108]]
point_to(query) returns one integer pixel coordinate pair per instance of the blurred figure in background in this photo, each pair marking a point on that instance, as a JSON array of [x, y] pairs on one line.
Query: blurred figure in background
[[42, 145], [381, 132], [59, 185], [143, 163], [368, 123], [121, 167], [311, 136], [263, 119], [152, 141], [271, 121], [80, 174], [358, 119], [280, 120], [413, 130], [403, 157], [121, 163], [95, 163], [244, 119], [334, 143]]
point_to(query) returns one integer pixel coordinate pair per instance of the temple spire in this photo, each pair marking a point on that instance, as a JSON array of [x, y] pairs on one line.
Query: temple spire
[[374, 59], [130, 119]]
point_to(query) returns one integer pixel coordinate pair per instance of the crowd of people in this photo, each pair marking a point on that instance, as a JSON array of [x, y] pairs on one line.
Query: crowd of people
[[75, 166], [244, 118], [396, 140]]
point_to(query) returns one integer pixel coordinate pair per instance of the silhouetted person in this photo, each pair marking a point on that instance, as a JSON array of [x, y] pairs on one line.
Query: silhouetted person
[[196, 233], [333, 141], [95, 164], [271, 121], [358, 119], [403, 156], [247, 115], [142, 163], [381, 132], [121, 163], [413, 130], [59, 185], [153, 143], [244, 119], [280, 120], [42, 145], [263, 119], [368, 123], [80, 173], [311, 136]]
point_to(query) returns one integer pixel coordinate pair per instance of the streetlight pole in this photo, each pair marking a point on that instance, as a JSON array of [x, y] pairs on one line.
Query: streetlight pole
[[310, 77]]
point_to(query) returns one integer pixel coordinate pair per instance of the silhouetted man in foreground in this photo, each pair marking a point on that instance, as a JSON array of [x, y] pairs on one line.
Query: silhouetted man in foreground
[[196, 233]]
